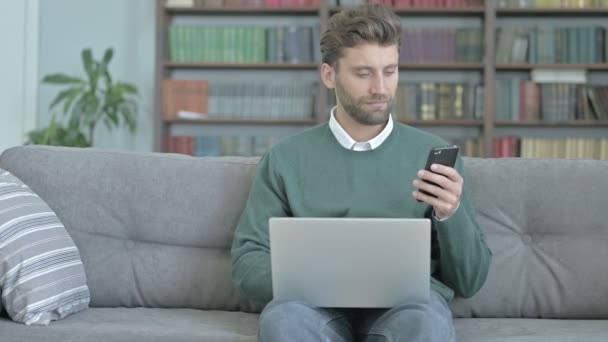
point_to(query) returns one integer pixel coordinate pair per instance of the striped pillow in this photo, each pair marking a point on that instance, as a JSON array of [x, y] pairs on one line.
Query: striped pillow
[[42, 278]]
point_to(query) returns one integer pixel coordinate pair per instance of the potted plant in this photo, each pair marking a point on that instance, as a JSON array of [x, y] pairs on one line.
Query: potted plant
[[87, 102]]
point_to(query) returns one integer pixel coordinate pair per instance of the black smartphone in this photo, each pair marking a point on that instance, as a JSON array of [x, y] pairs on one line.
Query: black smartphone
[[444, 155]]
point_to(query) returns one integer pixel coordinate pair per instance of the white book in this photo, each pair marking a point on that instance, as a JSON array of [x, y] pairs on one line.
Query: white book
[[559, 76], [182, 114], [180, 3]]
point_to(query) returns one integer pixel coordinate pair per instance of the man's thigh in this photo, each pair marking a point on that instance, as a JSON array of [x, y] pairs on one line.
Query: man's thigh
[[298, 321], [408, 322]]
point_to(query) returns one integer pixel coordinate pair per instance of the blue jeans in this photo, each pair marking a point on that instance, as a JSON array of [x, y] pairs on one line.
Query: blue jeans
[[297, 321]]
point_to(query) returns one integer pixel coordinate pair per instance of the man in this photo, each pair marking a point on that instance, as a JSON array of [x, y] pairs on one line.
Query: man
[[361, 164]]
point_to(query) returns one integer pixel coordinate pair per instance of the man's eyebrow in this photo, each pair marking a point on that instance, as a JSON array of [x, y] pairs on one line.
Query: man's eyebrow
[[367, 68]]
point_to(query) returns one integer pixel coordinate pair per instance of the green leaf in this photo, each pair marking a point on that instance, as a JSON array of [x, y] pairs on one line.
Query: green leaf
[[87, 61], [62, 79], [70, 100], [107, 57], [127, 88], [66, 94], [129, 117]]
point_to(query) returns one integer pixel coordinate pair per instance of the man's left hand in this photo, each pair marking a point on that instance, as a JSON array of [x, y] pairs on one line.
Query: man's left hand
[[448, 189]]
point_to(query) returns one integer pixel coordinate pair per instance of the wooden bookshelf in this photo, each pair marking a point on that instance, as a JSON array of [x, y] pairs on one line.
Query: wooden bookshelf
[[252, 66], [431, 12], [487, 66], [447, 123], [244, 11], [441, 66], [217, 121], [527, 67], [550, 124], [552, 12]]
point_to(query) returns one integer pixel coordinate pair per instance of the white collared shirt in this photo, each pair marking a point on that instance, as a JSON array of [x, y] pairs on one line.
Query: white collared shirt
[[350, 144]]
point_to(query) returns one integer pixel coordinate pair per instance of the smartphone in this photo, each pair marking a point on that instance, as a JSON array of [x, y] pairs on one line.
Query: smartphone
[[444, 155]]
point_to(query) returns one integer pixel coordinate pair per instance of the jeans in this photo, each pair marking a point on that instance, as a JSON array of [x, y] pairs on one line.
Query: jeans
[[296, 321]]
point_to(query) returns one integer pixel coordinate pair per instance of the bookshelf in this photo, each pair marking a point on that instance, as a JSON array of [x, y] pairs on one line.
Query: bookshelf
[[488, 127]]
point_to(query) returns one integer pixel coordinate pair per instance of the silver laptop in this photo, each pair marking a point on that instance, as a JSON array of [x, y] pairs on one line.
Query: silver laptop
[[350, 262]]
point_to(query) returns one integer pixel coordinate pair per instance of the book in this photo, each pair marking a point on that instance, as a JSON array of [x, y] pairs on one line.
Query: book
[[184, 96]]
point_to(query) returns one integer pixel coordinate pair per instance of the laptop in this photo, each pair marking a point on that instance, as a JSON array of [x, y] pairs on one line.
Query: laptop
[[350, 262]]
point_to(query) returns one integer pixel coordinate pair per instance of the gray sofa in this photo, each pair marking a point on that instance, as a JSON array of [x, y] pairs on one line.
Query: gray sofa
[[154, 232]]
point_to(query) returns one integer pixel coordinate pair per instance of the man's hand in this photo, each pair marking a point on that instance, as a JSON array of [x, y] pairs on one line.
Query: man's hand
[[447, 198]]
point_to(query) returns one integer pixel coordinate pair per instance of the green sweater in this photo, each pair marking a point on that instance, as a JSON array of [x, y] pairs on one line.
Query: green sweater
[[312, 175]]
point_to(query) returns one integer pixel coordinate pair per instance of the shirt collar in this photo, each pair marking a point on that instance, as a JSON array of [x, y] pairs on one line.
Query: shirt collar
[[349, 143]]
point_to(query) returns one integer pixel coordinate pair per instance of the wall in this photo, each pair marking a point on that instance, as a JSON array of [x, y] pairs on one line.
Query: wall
[[68, 26]]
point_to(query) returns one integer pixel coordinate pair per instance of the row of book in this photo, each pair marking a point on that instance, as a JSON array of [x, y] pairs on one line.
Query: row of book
[[563, 148], [502, 147], [317, 3], [438, 101], [586, 44], [422, 45], [519, 100], [244, 44], [243, 3], [200, 99], [551, 3], [216, 146], [418, 3]]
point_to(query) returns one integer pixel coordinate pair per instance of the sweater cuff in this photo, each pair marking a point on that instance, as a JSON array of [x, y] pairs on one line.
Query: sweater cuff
[[447, 217]]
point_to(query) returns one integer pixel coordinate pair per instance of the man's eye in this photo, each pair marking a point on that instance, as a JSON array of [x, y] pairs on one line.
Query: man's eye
[[363, 75], [389, 72]]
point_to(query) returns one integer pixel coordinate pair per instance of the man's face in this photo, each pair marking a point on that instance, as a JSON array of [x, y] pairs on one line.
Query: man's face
[[366, 80]]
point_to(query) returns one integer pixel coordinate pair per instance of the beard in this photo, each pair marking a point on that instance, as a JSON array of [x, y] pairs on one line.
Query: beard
[[355, 108]]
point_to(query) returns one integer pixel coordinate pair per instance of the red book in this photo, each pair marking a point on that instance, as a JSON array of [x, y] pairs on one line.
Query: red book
[[496, 148], [403, 3]]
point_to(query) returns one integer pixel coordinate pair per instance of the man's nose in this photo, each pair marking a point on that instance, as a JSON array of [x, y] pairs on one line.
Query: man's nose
[[377, 85]]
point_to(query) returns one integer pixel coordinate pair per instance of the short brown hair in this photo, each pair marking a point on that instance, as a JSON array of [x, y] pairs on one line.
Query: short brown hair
[[368, 23]]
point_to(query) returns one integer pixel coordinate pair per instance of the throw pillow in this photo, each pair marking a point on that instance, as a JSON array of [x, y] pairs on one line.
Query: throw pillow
[[42, 278]]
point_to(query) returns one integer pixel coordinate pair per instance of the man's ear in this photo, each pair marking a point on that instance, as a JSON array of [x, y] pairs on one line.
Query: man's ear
[[328, 75]]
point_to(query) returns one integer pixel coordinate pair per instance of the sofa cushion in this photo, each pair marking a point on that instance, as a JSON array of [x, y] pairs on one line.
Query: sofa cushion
[[530, 330], [545, 222], [41, 274], [154, 230], [139, 324]]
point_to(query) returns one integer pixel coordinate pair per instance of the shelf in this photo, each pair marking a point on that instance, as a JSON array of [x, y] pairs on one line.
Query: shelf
[[313, 66], [242, 66], [551, 12], [431, 11], [217, 121], [452, 122], [526, 67], [441, 66], [551, 124], [242, 11]]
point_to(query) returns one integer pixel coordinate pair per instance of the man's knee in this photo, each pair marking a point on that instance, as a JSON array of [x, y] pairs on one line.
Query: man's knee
[[297, 321], [415, 323]]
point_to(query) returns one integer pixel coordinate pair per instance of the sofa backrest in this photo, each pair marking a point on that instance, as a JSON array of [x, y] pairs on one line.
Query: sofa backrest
[[153, 230], [546, 223]]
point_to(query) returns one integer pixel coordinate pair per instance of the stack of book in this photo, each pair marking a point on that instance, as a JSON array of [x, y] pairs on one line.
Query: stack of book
[[201, 99], [422, 3], [243, 3], [216, 146], [438, 101], [545, 44], [519, 100], [423, 45], [244, 44], [564, 148], [551, 3]]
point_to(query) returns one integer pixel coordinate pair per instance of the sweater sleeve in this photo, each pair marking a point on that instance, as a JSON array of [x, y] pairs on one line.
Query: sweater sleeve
[[251, 272], [464, 256]]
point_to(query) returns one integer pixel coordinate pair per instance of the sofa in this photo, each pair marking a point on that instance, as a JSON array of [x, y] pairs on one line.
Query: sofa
[[154, 232]]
